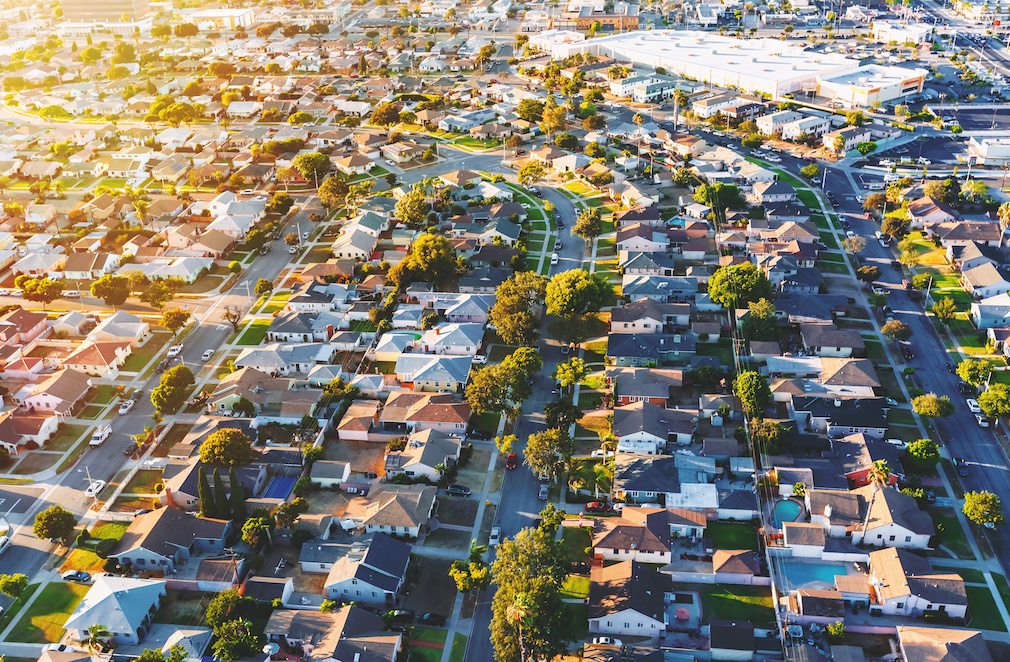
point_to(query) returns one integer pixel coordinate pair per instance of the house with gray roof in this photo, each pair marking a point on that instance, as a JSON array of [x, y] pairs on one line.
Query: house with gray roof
[[650, 349], [433, 373], [371, 569], [663, 289], [286, 358], [124, 605], [646, 428], [641, 263], [456, 339], [349, 633], [167, 537], [314, 296], [425, 450], [649, 478]]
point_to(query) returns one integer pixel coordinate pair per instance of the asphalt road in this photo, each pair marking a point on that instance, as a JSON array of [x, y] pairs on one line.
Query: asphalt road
[[520, 503]]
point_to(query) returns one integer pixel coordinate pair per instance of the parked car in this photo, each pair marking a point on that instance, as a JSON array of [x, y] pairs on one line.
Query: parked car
[[511, 461], [126, 407], [58, 648], [602, 453], [554, 258], [458, 490], [94, 488], [174, 350], [607, 641], [597, 507], [402, 616], [973, 406], [480, 359], [100, 435], [431, 618], [495, 537], [545, 491], [983, 422], [206, 355], [76, 576], [966, 388]]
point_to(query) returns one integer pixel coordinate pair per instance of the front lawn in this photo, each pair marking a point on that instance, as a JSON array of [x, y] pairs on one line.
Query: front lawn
[[104, 394], [950, 533], [458, 648], [982, 606], [141, 356], [575, 541], [67, 434], [85, 558], [143, 482], [732, 535], [43, 622], [254, 333]]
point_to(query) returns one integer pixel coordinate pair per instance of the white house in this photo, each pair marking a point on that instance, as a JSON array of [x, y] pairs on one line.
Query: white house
[[625, 600]]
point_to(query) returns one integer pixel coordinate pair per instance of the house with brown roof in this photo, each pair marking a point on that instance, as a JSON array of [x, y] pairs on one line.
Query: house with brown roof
[[89, 266], [928, 211], [392, 509], [627, 599], [937, 644], [415, 411], [893, 519], [353, 164], [18, 429], [259, 388], [19, 327], [62, 394], [349, 633], [734, 566], [99, 359], [644, 534], [361, 418], [905, 584], [656, 386], [166, 537]]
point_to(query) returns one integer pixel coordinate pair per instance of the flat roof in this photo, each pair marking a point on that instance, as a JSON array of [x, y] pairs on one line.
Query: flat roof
[[873, 75]]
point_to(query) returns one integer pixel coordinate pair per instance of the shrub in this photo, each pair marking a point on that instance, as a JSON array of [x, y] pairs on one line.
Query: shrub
[[105, 547], [111, 565]]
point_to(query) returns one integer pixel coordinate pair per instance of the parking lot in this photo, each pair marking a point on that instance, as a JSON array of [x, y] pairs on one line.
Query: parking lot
[[992, 118]]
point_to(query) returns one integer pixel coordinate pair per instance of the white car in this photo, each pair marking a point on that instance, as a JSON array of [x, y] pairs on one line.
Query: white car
[[554, 258], [495, 537], [480, 359], [524, 205], [4, 293], [126, 407], [94, 489], [607, 641], [175, 350], [602, 453], [388, 162], [206, 355], [545, 491], [305, 235], [17, 294], [973, 406], [58, 648], [100, 435], [983, 422]]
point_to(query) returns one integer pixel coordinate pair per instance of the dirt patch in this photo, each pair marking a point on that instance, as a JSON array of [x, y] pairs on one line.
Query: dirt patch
[[449, 539], [473, 480], [433, 590], [361, 455], [454, 510], [331, 503]]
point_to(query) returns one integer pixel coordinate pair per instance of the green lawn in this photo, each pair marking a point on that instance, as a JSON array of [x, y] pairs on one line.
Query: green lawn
[[431, 635], [276, 303], [732, 535], [143, 482], [575, 541], [575, 587], [141, 356], [104, 394], [458, 648], [86, 559], [43, 622], [949, 530], [8, 615], [723, 349], [66, 436], [736, 603], [982, 606], [35, 462], [488, 422], [254, 333]]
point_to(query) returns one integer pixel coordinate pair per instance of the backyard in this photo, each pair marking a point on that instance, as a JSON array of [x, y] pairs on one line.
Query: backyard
[[732, 535], [734, 603]]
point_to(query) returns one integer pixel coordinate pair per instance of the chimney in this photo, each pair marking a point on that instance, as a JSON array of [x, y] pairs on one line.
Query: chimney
[[329, 330], [827, 511], [438, 331]]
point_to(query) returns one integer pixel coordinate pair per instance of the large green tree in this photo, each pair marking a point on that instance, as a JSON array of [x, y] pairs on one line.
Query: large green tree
[[761, 322], [983, 508], [226, 447], [54, 523], [753, 390], [995, 401], [574, 292], [974, 371], [513, 314], [931, 405], [312, 166], [502, 388], [113, 290], [571, 372], [431, 258], [738, 285], [543, 449]]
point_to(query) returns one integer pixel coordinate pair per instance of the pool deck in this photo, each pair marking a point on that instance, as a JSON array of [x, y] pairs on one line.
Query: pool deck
[[784, 583]]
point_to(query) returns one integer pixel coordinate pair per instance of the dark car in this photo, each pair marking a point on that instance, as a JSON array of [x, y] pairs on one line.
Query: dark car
[[907, 351], [966, 388], [480, 435], [511, 461], [597, 507], [458, 490], [896, 265], [431, 618], [401, 616], [76, 576], [131, 449]]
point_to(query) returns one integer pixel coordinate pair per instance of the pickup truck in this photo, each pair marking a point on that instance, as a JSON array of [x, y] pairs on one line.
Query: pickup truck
[[100, 435]]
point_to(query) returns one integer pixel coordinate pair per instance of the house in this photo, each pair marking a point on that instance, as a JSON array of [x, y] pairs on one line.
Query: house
[[124, 605], [412, 411], [655, 386], [841, 416], [99, 359], [985, 280], [286, 358], [644, 534], [252, 385], [17, 429], [626, 599], [329, 474], [454, 339], [393, 509], [427, 372], [776, 191], [822, 339], [121, 326], [648, 316], [942, 644], [904, 584], [927, 211], [850, 137], [857, 454], [650, 349], [167, 537], [424, 453], [353, 164], [991, 312], [734, 566], [638, 263], [349, 633], [371, 570], [648, 478], [62, 394], [19, 327], [731, 640], [643, 238], [645, 428]]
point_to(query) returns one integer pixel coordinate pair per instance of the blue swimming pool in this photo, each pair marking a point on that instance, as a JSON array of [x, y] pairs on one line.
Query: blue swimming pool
[[798, 574], [786, 510], [280, 487]]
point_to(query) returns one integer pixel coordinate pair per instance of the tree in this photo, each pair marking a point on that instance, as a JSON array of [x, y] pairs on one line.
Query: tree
[[157, 294], [874, 202], [333, 192], [571, 372], [528, 622], [530, 110], [923, 453], [868, 274], [760, 322], [501, 388], [235, 640], [431, 258], [113, 290], [810, 171], [413, 207], [280, 203], [43, 290], [866, 147], [995, 401], [589, 225], [572, 293], [854, 244], [836, 631], [237, 496], [226, 447], [470, 576], [896, 330], [291, 239], [983, 508], [932, 405], [752, 389], [54, 523], [174, 319], [879, 473], [531, 173], [221, 504], [877, 299], [945, 309], [561, 414], [97, 639], [594, 123], [512, 313], [385, 114], [738, 285], [233, 316], [263, 287], [769, 436], [13, 585], [256, 531], [208, 506], [895, 226], [312, 167], [974, 372]]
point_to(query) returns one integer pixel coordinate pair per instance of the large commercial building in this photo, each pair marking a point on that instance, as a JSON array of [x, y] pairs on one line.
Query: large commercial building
[[992, 151], [759, 66], [862, 86], [888, 31], [90, 11], [223, 19]]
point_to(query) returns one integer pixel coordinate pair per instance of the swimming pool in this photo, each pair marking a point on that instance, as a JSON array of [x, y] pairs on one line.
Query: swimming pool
[[786, 510], [798, 574]]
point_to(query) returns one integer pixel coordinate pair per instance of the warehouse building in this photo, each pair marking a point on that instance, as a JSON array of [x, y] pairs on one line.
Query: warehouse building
[[860, 87]]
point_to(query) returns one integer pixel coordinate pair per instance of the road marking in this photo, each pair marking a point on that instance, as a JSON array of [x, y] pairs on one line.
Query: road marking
[[11, 508]]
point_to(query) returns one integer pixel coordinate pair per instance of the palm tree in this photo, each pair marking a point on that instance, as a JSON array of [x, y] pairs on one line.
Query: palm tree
[[98, 636], [639, 119], [440, 469], [880, 473], [519, 612], [1004, 215]]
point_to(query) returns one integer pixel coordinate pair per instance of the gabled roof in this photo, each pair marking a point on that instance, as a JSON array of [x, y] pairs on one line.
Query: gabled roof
[[96, 353], [627, 585], [119, 603], [887, 505], [901, 573], [928, 644], [165, 530]]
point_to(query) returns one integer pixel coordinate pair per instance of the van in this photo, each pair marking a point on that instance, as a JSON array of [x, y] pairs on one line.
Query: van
[[876, 186], [100, 435]]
